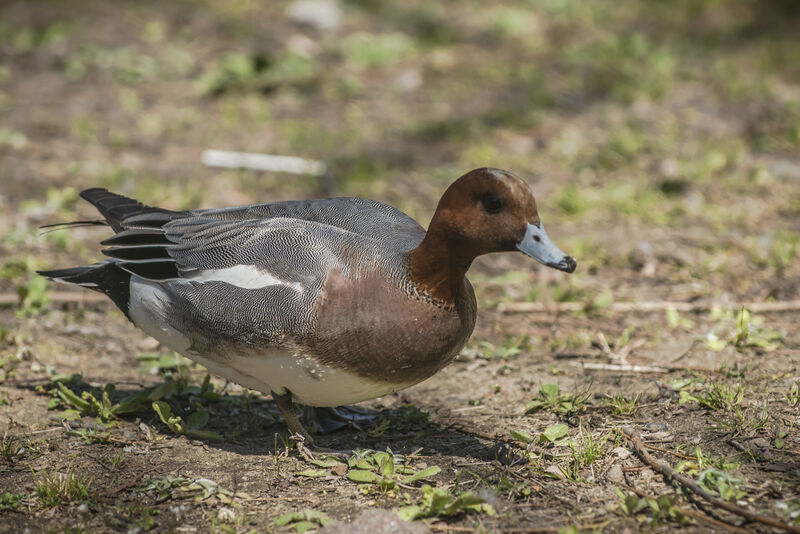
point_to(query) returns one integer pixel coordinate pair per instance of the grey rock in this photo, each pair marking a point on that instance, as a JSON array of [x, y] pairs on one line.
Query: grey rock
[[323, 15], [376, 522], [656, 427], [615, 473]]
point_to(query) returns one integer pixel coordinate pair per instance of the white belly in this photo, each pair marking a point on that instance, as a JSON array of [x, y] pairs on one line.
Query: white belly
[[310, 382]]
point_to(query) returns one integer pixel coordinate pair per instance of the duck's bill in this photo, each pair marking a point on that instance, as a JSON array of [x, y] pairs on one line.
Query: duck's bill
[[537, 245]]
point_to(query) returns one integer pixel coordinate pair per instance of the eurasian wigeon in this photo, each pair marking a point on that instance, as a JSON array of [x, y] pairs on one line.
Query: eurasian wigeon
[[324, 302]]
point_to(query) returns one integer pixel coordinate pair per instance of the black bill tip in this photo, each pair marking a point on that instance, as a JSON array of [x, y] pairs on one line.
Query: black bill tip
[[567, 264]]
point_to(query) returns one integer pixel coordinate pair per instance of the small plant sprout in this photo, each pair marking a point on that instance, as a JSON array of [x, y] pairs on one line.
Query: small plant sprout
[[674, 320], [750, 332], [590, 450], [714, 396], [550, 397], [54, 489], [383, 471], [9, 447], [441, 502], [620, 405], [657, 511], [303, 520], [793, 395]]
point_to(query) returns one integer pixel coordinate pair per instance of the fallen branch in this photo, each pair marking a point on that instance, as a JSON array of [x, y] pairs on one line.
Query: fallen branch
[[623, 368], [515, 530], [670, 474], [60, 297], [645, 306], [628, 368], [261, 162]]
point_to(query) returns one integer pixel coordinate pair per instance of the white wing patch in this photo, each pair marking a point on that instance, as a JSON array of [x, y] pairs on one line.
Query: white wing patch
[[244, 276]]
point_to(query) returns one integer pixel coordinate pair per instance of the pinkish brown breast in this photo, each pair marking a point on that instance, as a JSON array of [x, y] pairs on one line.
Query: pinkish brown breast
[[385, 331]]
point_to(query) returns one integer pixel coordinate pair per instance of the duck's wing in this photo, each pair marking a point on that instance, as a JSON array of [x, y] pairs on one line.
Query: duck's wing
[[237, 282], [249, 253], [368, 218]]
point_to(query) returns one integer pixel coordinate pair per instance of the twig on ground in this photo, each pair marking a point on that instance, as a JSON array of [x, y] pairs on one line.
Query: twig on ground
[[59, 297], [262, 162], [625, 368], [124, 487], [673, 453], [640, 368], [648, 306], [515, 530], [670, 474]]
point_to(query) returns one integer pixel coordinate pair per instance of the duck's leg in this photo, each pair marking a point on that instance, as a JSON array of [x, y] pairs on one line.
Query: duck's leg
[[286, 407], [326, 420]]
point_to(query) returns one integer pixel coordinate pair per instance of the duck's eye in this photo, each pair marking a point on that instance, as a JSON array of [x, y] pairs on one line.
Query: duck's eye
[[492, 203]]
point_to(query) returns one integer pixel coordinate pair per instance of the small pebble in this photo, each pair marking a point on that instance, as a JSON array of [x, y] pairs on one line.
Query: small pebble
[[656, 427], [376, 522], [615, 473], [226, 515], [554, 470], [660, 436], [621, 452], [324, 15]]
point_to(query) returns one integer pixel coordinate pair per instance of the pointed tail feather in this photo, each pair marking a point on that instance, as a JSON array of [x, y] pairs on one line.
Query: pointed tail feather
[[105, 277], [116, 208]]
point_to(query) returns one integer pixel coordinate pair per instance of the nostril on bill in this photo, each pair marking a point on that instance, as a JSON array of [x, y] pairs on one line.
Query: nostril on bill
[[569, 264]]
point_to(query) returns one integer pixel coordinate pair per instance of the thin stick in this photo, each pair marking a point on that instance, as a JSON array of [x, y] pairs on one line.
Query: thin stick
[[647, 306], [531, 530], [59, 297], [623, 368], [640, 368], [673, 453], [670, 474]]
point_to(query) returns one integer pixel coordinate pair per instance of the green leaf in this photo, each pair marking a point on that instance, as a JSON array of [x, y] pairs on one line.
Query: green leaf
[[533, 406], [326, 461], [163, 410], [165, 414], [69, 415], [70, 397], [285, 519], [209, 435], [197, 420], [303, 526], [409, 513], [519, 435], [162, 390], [128, 406], [553, 433], [385, 463], [549, 390], [363, 476], [313, 473], [425, 473], [685, 397]]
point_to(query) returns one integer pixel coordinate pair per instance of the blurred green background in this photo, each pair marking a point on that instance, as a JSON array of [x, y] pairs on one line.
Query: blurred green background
[[662, 138]]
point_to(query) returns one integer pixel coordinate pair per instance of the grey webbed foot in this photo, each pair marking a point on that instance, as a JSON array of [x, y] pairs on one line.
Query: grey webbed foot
[[327, 420]]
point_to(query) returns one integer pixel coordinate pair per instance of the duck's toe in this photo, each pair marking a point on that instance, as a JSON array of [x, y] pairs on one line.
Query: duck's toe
[[327, 420]]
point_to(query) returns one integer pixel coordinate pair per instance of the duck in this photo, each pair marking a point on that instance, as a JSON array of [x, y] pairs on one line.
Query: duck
[[322, 302]]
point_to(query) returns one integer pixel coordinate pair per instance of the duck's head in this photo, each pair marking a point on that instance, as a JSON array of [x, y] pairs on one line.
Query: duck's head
[[491, 210]]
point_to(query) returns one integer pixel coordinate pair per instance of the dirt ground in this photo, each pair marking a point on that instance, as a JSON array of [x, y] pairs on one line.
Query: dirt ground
[[661, 140]]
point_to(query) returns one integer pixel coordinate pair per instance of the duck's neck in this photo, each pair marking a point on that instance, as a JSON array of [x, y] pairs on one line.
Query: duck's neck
[[438, 268]]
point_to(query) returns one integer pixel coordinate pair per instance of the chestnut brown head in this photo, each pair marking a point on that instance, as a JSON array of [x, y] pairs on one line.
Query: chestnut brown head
[[491, 210]]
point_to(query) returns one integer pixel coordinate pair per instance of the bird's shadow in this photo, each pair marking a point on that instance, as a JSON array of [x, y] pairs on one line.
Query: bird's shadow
[[247, 423]]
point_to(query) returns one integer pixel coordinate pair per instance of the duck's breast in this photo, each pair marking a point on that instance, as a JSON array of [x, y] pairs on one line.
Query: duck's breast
[[375, 326]]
